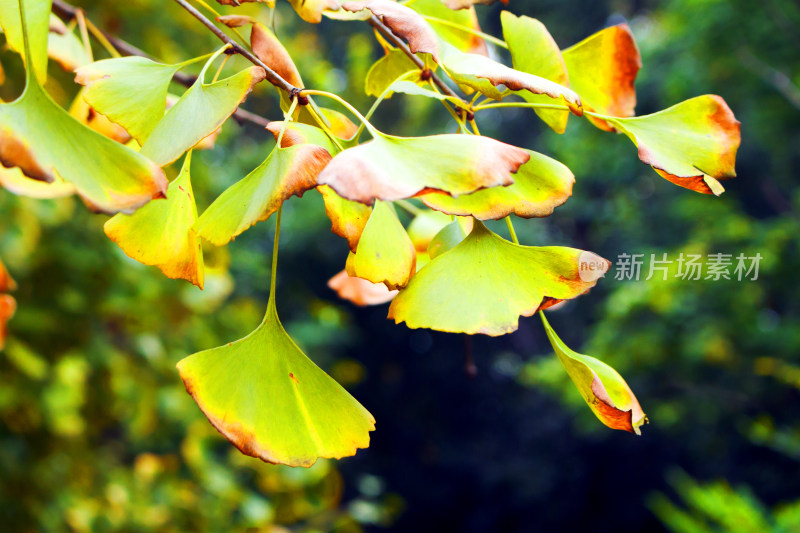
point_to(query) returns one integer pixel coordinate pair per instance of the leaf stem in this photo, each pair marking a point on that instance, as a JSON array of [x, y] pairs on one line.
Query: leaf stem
[[345, 103], [408, 206], [218, 14], [380, 99], [511, 230], [324, 127], [286, 119], [219, 70], [491, 38], [81, 18], [274, 274]]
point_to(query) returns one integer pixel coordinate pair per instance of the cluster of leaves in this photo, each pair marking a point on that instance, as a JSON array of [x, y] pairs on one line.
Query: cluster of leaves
[[446, 271]]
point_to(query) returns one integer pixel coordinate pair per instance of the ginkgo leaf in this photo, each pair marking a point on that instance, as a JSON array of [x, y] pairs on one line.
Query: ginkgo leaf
[[403, 21], [44, 141], [447, 21], [131, 91], [386, 70], [7, 308], [37, 26], [199, 112], [391, 168], [285, 172], [446, 239], [347, 217], [607, 394], [540, 185], [360, 291], [484, 75], [602, 69], [81, 110], [692, 144], [272, 402], [298, 133], [67, 49], [311, 10], [161, 234], [533, 50], [424, 227], [7, 283], [269, 49], [385, 253], [486, 283], [15, 182]]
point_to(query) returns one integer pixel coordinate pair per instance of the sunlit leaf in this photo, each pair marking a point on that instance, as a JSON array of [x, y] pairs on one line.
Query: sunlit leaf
[[486, 283], [607, 394], [269, 49], [386, 70], [161, 234], [81, 110], [484, 75], [692, 144], [446, 239], [347, 217], [461, 15], [404, 22], [285, 172], [311, 10], [391, 168], [540, 185], [360, 291], [298, 133], [425, 226], [200, 111], [44, 141], [385, 253], [272, 402], [15, 182], [602, 69], [534, 51], [67, 49], [131, 91], [37, 22]]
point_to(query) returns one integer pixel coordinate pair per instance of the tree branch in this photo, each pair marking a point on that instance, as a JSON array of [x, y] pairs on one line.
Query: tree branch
[[67, 12]]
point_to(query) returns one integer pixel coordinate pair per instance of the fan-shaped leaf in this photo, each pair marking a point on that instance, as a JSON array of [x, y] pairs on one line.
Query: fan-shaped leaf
[[37, 25], [446, 239], [607, 394], [404, 22], [692, 144], [131, 91], [199, 112], [81, 110], [486, 283], [540, 185], [272, 402], [285, 172], [161, 234], [360, 291], [385, 253], [534, 51], [602, 69], [391, 168]]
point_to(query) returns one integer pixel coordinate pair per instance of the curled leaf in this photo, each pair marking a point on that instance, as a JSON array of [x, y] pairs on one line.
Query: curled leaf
[[403, 21], [161, 234], [602, 69], [607, 394], [540, 185], [236, 21], [385, 253], [533, 50], [486, 283], [285, 172], [390, 168], [81, 110], [199, 112], [360, 291], [15, 182], [692, 144], [269, 49], [272, 402], [311, 10]]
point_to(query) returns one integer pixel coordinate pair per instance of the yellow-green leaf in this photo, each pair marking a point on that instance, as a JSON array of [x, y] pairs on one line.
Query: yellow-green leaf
[[15, 182], [285, 172], [464, 17], [534, 51], [37, 22], [64, 47], [385, 253], [347, 217], [311, 10], [692, 144], [386, 70], [486, 283], [272, 402], [540, 185], [161, 234], [607, 394]]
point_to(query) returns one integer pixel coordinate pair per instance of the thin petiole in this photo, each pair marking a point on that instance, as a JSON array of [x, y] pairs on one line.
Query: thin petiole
[[274, 272], [286, 119], [511, 230], [219, 70], [408, 206], [345, 103]]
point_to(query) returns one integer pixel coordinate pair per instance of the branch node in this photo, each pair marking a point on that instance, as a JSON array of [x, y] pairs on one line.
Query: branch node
[[426, 74]]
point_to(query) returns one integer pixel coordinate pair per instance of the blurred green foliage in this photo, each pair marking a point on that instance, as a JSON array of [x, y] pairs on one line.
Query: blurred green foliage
[[97, 433]]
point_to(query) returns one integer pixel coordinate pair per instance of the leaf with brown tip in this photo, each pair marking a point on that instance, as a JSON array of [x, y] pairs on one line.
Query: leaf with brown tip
[[15, 182], [404, 23], [692, 144], [602, 69], [607, 394], [391, 168], [360, 291], [161, 234], [269, 49]]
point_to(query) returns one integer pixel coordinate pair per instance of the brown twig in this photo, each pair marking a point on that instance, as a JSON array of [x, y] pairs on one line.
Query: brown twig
[[67, 12]]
